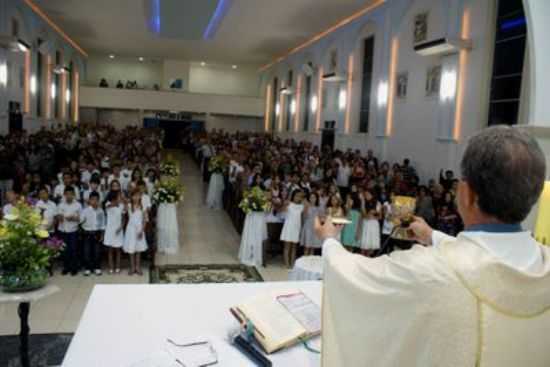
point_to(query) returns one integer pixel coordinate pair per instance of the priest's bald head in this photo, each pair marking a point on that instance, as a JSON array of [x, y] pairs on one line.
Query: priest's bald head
[[502, 175]]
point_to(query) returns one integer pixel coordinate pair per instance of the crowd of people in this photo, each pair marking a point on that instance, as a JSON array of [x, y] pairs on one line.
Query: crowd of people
[[91, 184], [130, 84], [304, 181]]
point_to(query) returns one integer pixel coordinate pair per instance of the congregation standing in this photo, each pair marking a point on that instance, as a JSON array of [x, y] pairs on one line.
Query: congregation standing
[[303, 181], [91, 184]]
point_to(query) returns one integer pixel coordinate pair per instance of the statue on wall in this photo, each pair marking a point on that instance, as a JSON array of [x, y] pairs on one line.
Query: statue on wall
[[421, 27]]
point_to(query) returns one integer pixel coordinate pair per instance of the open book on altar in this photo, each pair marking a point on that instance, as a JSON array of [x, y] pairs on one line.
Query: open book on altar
[[280, 319]]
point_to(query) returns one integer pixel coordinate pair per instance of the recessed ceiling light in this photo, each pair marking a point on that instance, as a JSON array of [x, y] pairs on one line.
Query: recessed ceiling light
[[203, 63], [111, 56], [234, 66], [141, 59]]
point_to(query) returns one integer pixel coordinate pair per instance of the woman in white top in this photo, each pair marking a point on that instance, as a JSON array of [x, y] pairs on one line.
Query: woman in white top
[[134, 237], [290, 234], [115, 208]]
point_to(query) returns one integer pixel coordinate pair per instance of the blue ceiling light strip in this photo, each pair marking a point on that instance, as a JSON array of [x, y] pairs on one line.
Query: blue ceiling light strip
[[511, 24], [155, 16], [220, 12]]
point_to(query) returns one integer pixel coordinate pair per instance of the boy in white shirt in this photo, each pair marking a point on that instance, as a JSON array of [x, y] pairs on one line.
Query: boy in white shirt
[[93, 224], [94, 187], [11, 199], [68, 213], [59, 190], [47, 210]]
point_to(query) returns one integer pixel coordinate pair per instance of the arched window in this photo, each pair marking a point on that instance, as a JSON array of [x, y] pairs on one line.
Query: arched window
[[508, 62], [366, 83]]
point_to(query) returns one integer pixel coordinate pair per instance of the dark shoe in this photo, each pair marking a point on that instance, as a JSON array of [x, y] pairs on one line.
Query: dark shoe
[[64, 272], [73, 273]]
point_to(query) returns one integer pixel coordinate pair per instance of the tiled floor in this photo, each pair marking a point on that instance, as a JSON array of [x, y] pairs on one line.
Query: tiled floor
[[206, 237]]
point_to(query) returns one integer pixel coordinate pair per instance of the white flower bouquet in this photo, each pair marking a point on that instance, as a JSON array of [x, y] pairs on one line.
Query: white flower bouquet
[[168, 191]]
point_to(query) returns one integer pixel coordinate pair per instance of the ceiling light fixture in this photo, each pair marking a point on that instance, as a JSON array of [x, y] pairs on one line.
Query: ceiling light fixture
[[234, 66], [203, 63], [111, 56], [141, 59]]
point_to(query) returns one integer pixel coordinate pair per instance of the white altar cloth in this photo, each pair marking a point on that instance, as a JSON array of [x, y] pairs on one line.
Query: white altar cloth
[[123, 324], [307, 268]]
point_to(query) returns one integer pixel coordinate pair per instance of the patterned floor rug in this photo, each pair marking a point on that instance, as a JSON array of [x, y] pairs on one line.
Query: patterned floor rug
[[195, 274], [45, 350]]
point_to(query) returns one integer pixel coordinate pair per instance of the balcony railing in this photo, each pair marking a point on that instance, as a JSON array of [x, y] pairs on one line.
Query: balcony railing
[[164, 100]]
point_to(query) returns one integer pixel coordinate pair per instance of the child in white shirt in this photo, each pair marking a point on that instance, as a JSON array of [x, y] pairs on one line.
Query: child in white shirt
[[68, 213], [94, 187], [93, 224]]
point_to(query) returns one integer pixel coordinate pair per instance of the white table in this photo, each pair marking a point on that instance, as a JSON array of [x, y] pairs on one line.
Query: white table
[[24, 299], [307, 268], [123, 324]]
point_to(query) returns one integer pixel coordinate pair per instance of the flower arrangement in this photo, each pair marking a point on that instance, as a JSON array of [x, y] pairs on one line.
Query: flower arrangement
[[169, 168], [217, 164], [255, 200], [25, 250], [168, 191]]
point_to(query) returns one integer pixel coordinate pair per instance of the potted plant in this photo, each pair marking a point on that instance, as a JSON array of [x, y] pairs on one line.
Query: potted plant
[[25, 250]]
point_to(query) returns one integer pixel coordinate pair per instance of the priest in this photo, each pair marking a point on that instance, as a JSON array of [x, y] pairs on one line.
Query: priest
[[480, 299]]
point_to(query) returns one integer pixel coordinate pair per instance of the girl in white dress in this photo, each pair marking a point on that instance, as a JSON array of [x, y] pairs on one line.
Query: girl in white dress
[[215, 191], [312, 209], [290, 235], [370, 236], [134, 238], [115, 207]]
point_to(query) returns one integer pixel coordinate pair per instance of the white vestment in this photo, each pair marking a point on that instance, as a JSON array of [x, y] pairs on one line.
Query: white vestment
[[457, 304]]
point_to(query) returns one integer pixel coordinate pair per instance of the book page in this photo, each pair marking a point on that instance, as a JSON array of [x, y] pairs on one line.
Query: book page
[[273, 320], [304, 310]]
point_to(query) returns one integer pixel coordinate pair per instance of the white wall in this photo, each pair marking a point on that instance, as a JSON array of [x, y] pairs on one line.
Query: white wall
[[146, 73], [223, 79], [169, 101], [117, 118], [422, 126], [233, 124]]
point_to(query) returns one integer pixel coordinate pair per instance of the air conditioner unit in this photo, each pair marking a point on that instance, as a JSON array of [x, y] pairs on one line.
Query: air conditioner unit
[[60, 69], [333, 77], [442, 46], [286, 90], [14, 44]]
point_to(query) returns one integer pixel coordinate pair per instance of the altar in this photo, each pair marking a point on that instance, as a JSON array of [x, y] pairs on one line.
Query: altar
[[123, 324]]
